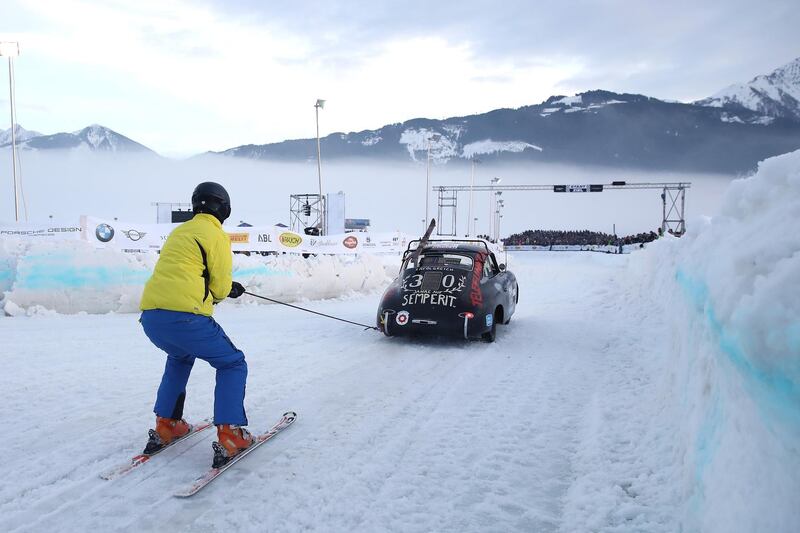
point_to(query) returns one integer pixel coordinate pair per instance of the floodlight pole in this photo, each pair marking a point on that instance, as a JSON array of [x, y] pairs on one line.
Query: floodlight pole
[[11, 49], [496, 216], [434, 137], [471, 188], [323, 220], [13, 134], [499, 218], [492, 197]]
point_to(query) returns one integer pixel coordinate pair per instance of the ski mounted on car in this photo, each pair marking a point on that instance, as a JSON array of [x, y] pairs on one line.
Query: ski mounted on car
[[422, 242]]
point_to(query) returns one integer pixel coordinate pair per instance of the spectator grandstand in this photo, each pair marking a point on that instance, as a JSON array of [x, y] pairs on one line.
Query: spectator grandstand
[[575, 238]]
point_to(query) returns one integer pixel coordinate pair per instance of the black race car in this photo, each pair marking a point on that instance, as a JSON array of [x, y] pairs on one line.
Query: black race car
[[449, 287]]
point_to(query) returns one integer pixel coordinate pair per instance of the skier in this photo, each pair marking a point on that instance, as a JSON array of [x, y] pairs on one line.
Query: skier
[[193, 272]]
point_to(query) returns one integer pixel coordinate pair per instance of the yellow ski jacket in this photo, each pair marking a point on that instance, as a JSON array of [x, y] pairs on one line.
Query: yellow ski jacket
[[194, 269]]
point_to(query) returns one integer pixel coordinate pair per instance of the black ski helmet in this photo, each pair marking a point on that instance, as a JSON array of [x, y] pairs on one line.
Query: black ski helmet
[[211, 198]]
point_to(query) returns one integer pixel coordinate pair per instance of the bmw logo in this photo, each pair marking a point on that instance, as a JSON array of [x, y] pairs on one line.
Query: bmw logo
[[104, 233]]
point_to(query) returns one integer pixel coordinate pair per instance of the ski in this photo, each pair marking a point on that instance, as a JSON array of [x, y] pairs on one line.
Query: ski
[[213, 473], [142, 458], [422, 242]]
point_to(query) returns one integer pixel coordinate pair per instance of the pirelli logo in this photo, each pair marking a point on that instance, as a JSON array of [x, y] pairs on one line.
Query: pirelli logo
[[239, 237]]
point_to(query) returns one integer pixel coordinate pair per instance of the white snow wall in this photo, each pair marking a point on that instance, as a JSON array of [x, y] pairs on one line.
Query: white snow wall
[[730, 393], [73, 277]]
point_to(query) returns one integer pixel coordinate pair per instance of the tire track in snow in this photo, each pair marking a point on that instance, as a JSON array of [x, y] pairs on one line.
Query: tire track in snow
[[398, 435], [333, 427], [517, 415]]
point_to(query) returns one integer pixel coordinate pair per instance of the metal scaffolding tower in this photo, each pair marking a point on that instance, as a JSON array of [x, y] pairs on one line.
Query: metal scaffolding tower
[[673, 196], [305, 211], [448, 199], [171, 212]]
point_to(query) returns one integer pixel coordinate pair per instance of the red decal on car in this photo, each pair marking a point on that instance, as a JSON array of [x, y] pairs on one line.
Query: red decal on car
[[475, 294]]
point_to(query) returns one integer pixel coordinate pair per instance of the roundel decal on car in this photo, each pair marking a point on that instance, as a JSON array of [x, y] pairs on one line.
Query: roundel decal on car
[[402, 318]]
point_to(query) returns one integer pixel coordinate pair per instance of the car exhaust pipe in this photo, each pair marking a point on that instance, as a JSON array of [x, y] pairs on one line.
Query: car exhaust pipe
[[386, 314], [466, 316]]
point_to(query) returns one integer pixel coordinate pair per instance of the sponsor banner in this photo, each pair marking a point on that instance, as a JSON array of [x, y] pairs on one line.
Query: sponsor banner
[[123, 235], [136, 237], [48, 231], [347, 243]]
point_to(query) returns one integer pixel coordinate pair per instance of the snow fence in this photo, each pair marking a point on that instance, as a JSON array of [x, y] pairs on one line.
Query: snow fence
[[74, 276], [731, 383]]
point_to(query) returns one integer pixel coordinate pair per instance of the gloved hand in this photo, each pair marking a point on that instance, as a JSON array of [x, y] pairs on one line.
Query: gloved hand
[[236, 290]]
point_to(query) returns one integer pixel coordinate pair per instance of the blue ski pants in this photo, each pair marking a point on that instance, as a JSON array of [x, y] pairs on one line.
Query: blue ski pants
[[185, 337]]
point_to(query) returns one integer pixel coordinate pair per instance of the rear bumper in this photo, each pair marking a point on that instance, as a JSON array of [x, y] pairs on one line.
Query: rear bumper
[[453, 323]]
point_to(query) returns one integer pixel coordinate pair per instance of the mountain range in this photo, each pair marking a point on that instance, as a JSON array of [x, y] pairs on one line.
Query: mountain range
[[22, 135], [728, 132], [594, 128], [94, 138], [774, 95]]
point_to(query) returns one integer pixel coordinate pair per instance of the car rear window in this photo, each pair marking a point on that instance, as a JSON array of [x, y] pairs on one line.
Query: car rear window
[[442, 260]]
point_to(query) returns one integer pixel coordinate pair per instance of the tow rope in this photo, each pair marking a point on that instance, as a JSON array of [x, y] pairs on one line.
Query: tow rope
[[366, 327]]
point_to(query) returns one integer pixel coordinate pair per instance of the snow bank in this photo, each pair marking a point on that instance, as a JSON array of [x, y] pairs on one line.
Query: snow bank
[[731, 390], [9, 251], [73, 277]]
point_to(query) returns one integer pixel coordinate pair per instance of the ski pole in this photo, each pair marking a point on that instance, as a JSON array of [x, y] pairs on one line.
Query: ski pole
[[366, 327]]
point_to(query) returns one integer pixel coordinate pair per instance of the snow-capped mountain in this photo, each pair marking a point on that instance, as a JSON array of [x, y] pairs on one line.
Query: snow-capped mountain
[[775, 95], [22, 135], [94, 138], [591, 128]]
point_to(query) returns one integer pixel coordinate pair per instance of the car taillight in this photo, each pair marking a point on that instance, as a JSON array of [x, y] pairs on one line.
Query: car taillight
[[467, 315]]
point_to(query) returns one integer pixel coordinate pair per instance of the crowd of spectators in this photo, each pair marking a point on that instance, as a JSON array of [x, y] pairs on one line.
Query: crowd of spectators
[[576, 238]]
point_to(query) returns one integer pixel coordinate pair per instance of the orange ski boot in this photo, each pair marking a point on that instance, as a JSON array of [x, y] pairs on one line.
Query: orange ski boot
[[167, 430], [232, 440]]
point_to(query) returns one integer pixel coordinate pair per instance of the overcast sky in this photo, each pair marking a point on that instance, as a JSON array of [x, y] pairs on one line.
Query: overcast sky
[[185, 77]]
